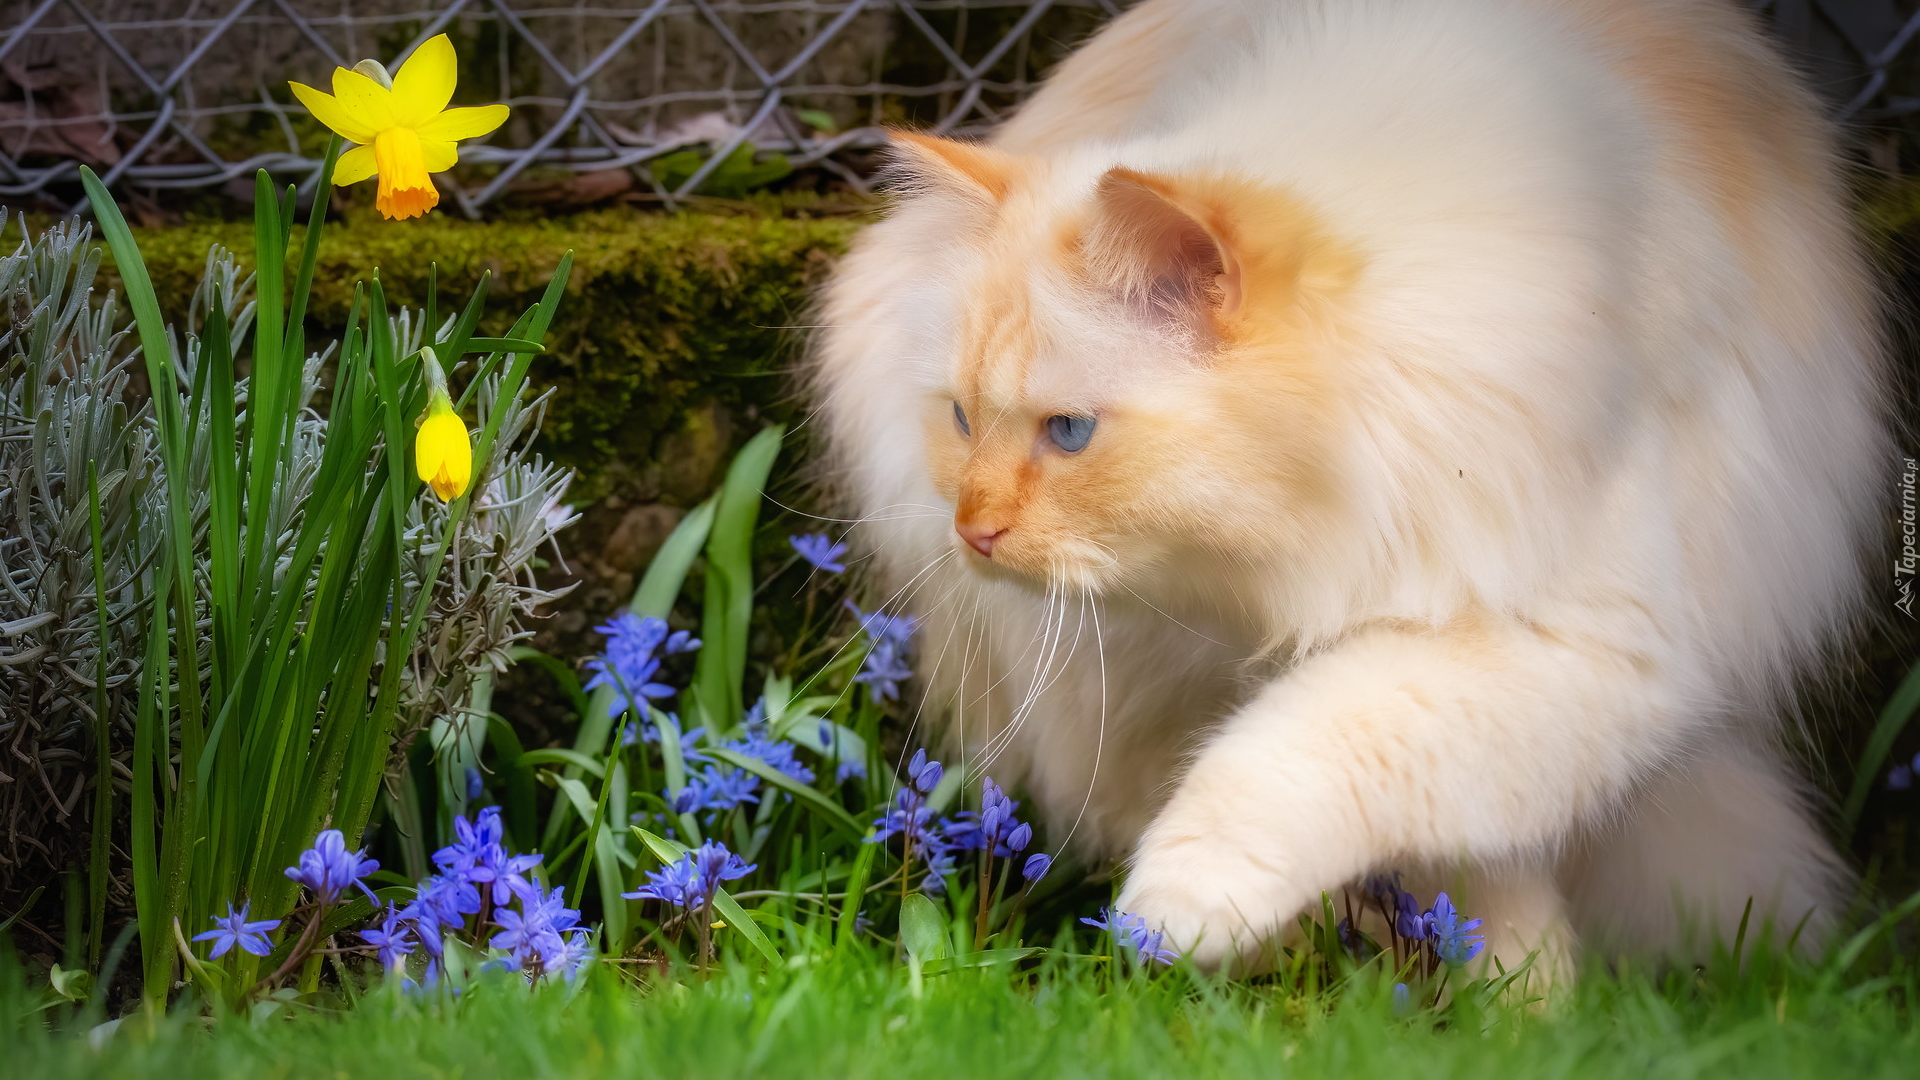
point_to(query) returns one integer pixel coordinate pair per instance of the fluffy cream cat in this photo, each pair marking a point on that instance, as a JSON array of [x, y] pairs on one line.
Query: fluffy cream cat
[[1336, 436]]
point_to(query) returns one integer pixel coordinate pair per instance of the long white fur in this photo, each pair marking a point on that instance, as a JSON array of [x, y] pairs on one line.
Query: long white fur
[[1610, 470]]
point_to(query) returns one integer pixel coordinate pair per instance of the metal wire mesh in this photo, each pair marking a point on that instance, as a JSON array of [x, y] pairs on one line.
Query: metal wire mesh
[[161, 94]]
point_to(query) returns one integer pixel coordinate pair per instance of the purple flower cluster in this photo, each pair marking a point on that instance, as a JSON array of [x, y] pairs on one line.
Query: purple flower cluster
[[886, 666], [821, 551], [691, 881], [476, 873], [716, 788], [721, 787], [1134, 936], [992, 830], [922, 835], [544, 935], [630, 664], [1439, 931]]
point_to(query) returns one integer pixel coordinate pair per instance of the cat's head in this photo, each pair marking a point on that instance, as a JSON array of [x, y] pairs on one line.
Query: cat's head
[[1133, 370]]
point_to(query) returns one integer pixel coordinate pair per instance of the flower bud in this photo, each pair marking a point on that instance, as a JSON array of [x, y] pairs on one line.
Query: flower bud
[[442, 452]]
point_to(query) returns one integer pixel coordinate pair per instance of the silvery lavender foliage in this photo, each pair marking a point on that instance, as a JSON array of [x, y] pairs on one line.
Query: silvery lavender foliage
[[66, 399], [65, 362]]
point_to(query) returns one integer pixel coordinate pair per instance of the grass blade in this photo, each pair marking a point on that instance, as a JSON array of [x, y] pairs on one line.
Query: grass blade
[[1893, 720]]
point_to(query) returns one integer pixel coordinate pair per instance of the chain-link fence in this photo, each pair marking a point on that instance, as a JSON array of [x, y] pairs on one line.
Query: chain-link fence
[[661, 94]]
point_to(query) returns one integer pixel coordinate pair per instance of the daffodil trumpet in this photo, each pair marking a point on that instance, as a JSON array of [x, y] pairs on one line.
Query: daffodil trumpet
[[401, 125], [442, 449]]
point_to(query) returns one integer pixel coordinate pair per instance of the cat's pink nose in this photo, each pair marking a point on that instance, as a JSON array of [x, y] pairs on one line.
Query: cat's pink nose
[[979, 535]]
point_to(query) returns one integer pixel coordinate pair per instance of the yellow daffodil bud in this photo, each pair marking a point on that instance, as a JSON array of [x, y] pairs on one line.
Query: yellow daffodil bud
[[442, 452]]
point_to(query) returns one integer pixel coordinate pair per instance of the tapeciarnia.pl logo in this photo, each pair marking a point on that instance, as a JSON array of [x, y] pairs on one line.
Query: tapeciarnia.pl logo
[[1909, 560]]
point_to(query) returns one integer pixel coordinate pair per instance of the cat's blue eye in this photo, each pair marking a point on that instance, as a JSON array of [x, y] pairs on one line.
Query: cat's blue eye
[[960, 417], [1070, 433]]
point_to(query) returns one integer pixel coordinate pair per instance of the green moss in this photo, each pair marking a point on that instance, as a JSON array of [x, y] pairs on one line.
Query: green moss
[[674, 338]]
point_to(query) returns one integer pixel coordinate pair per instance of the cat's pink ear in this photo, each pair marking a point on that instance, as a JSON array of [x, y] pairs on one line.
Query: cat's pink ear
[[978, 173], [1153, 231]]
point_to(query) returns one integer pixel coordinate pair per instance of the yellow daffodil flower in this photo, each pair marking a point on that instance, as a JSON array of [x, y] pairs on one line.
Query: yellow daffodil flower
[[442, 452], [401, 124]]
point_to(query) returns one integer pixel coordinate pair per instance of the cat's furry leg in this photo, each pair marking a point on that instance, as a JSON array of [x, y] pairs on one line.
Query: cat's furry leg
[[1485, 741], [1672, 877]]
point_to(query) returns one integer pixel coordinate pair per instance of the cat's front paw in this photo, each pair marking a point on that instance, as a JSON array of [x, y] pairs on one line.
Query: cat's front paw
[[1216, 905]]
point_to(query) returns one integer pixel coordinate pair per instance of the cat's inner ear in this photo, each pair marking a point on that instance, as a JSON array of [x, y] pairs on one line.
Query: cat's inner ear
[[970, 171], [1163, 243]]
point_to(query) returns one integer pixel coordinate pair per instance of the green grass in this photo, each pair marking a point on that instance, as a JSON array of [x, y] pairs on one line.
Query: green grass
[[855, 1015]]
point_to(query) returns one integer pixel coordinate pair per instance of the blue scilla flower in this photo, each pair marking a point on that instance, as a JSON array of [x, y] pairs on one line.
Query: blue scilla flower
[[939, 862], [1402, 999], [629, 664], [819, 550], [883, 672], [886, 666], [328, 868], [393, 938], [715, 788], [777, 753], [913, 820], [1036, 866], [535, 934], [1900, 778], [443, 900], [1382, 889], [234, 929], [646, 731], [910, 817], [576, 949], [478, 856], [1408, 920], [993, 828], [690, 881], [881, 627], [924, 774], [1454, 940], [849, 769], [1133, 935]]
